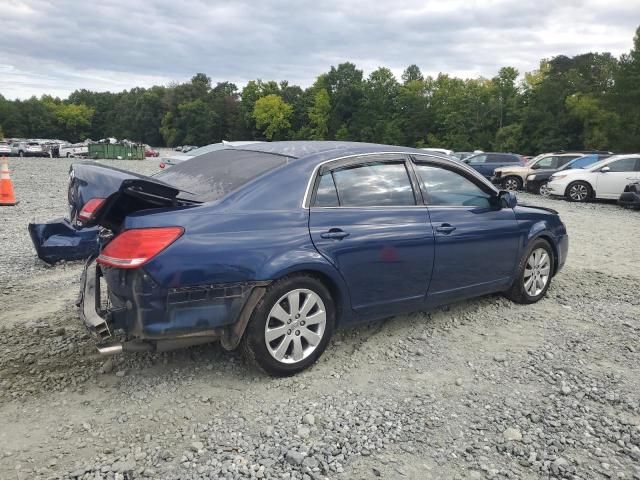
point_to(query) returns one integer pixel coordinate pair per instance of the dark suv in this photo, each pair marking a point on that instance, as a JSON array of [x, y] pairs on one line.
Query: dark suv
[[486, 163]]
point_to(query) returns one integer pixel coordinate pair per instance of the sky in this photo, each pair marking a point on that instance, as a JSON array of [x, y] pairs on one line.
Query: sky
[[57, 46]]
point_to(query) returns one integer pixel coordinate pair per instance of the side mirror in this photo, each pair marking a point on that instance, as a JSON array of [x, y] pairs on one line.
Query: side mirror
[[605, 169], [507, 199]]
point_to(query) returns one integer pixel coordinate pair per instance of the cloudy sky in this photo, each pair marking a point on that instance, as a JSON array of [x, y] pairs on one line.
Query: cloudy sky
[[57, 46]]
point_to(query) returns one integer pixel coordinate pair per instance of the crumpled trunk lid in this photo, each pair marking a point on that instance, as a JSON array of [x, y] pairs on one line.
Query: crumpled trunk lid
[[124, 193]]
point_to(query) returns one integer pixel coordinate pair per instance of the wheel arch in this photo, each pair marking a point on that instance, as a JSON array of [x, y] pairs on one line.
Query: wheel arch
[[331, 279], [550, 239], [581, 180]]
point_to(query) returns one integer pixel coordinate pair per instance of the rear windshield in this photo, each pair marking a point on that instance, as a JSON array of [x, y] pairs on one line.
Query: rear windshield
[[211, 176]]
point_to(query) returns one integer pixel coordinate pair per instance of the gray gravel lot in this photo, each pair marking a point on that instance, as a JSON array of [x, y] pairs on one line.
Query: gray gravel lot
[[481, 389]]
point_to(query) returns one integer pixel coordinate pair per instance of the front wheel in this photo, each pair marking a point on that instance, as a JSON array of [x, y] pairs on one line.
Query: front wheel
[[579, 192], [534, 274], [291, 326], [512, 183], [21, 153]]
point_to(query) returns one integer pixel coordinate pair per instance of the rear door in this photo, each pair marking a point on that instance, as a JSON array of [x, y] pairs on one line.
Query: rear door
[[480, 163], [476, 241], [366, 219], [621, 172]]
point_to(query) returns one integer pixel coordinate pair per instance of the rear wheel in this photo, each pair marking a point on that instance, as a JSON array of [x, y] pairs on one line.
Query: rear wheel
[[579, 192], [21, 153], [291, 326], [512, 183], [534, 273]]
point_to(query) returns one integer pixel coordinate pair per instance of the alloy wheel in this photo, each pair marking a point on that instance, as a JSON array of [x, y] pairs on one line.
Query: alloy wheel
[[295, 326], [536, 272], [578, 192], [511, 184], [544, 190]]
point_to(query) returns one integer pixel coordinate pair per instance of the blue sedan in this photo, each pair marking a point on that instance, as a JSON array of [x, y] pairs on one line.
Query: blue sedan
[[272, 246]]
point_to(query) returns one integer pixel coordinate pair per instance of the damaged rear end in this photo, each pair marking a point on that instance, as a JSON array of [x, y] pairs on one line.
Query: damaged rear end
[[147, 290]]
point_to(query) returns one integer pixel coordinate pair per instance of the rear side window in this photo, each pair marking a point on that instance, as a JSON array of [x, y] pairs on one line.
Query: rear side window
[[326, 195], [213, 175], [443, 187], [370, 185]]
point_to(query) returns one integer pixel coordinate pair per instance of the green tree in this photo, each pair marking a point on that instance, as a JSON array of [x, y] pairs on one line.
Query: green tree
[[272, 115], [319, 114]]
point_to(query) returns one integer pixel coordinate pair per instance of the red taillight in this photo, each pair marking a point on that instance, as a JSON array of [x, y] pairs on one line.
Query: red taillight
[[137, 246], [89, 209], [162, 165]]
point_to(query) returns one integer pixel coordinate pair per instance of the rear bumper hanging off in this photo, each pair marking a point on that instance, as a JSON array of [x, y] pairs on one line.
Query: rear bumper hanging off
[[152, 318]]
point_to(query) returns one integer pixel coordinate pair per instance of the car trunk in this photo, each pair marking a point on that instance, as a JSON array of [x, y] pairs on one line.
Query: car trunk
[[123, 193]]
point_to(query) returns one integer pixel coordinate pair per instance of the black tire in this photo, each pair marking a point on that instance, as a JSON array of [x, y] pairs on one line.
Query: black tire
[[586, 192], [512, 181], [517, 293], [254, 346], [21, 153]]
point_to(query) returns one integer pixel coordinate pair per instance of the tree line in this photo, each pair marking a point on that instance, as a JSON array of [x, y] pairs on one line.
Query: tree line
[[589, 101]]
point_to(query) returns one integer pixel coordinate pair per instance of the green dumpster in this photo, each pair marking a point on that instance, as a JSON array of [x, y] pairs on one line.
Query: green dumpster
[[116, 151]]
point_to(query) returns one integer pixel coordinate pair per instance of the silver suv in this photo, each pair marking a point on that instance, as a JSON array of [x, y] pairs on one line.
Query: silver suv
[[28, 149], [513, 177]]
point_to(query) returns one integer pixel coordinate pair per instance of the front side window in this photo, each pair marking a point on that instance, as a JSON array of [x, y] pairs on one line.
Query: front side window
[[449, 188], [624, 165], [547, 162], [477, 160], [377, 184]]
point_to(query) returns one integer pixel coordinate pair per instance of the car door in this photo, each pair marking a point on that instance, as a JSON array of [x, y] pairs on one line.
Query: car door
[[365, 218], [476, 241], [610, 183]]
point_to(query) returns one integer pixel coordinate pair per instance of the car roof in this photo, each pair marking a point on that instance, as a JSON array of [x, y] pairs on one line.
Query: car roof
[[321, 148]]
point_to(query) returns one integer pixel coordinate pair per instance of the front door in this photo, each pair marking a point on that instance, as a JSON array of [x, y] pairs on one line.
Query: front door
[[366, 220], [477, 242], [610, 184]]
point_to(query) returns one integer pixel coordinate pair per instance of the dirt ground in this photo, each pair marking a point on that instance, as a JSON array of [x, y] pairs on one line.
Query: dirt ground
[[480, 389]]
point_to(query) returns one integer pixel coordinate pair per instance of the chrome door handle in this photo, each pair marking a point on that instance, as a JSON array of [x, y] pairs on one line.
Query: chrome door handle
[[445, 228], [334, 234]]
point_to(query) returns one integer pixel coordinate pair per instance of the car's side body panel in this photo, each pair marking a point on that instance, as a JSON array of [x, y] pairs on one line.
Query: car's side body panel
[[387, 257], [478, 256], [393, 261]]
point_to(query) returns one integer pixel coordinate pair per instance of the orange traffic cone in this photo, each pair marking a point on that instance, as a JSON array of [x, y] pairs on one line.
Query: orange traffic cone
[[7, 197]]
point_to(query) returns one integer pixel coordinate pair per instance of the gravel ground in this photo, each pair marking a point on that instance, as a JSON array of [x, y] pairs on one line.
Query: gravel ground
[[480, 389]]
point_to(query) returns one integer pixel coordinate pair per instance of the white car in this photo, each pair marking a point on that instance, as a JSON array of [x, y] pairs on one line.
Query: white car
[[5, 149], [605, 179], [74, 150], [181, 157]]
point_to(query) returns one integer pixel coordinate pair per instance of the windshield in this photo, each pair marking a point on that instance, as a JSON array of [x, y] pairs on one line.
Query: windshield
[[535, 159], [580, 162], [213, 175]]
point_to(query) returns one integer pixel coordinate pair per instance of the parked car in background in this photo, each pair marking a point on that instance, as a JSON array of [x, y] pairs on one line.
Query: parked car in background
[[273, 245], [179, 158], [74, 150], [537, 181], [513, 177], [630, 197], [486, 163], [5, 149], [438, 150], [150, 152], [463, 155], [28, 149], [605, 179]]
